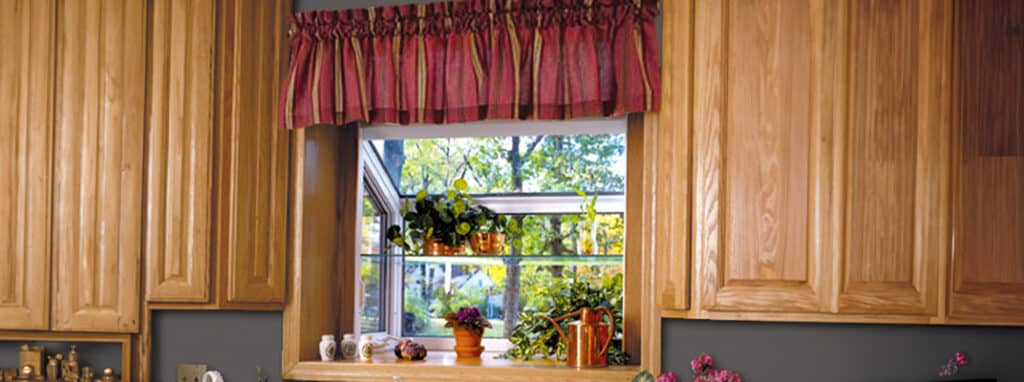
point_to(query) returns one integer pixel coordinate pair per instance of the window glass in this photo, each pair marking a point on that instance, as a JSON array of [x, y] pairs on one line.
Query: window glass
[[530, 164], [370, 269]]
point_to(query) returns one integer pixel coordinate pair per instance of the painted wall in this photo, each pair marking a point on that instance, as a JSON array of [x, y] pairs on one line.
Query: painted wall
[[233, 343]]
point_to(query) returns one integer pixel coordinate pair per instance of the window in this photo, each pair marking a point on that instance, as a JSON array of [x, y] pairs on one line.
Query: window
[[532, 179]]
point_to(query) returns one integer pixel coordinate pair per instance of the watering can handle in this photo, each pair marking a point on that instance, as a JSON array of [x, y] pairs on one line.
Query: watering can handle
[[611, 332], [558, 327]]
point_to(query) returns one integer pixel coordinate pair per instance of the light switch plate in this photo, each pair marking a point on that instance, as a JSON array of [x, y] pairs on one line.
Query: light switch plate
[[190, 372]]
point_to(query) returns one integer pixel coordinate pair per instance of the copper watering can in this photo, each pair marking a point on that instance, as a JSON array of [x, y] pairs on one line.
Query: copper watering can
[[588, 338]]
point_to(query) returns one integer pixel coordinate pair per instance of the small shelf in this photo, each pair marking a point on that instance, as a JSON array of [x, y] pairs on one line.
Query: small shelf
[[444, 366], [598, 260]]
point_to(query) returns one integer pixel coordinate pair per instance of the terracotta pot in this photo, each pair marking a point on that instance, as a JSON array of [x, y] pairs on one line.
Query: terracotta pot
[[487, 243], [467, 342], [433, 247]]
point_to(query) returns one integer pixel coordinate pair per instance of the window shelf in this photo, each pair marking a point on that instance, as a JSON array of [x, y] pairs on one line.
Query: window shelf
[[444, 366], [600, 260]]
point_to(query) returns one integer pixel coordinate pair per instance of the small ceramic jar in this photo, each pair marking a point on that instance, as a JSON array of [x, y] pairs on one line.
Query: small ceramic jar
[[349, 347], [327, 347]]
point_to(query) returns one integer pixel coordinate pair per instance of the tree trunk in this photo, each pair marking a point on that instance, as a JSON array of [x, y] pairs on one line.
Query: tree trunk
[[556, 244]]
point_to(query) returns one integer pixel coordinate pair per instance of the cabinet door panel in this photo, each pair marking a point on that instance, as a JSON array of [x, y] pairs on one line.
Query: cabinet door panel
[[758, 160], [180, 150], [896, 175], [252, 170], [98, 169], [26, 115], [988, 261]]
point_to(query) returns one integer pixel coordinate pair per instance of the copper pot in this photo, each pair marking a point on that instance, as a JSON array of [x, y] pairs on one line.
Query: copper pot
[[434, 247], [487, 243], [588, 338]]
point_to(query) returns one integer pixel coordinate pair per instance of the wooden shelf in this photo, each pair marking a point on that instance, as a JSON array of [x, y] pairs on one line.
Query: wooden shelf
[[124, 340], [444, 366]]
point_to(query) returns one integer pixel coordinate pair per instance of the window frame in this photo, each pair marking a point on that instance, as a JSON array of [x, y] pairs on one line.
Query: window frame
[[378, 187], [377, 180]]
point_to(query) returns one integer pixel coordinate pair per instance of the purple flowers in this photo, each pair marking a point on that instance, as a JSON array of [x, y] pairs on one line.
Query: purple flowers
[[703, 368], [953, 365], [469, 318]]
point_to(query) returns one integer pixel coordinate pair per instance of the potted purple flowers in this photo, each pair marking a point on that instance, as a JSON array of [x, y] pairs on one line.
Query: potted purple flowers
[[468, 327]]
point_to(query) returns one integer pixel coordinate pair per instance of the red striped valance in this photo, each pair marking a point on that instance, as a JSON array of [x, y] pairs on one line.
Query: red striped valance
[[471, 60]]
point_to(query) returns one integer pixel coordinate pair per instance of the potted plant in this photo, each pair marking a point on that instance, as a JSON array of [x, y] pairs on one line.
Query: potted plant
[[468, 328], [439, 223], [492, 231]]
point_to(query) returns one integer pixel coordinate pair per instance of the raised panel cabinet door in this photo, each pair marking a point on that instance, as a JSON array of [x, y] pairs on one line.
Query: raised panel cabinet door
[[988, 254], [894, 176], [763, 94], [252, 153], [26, 115], [101, 76], [179, 162]]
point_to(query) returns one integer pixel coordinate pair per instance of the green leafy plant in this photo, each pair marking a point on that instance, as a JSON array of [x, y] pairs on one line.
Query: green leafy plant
[[488, 221], [536, 337], [447, 218]]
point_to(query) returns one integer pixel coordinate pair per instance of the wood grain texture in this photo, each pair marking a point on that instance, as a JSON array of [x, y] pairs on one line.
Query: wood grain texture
[[349, 194], [443, 366], [251, 186], [98, 165], [896, 173], [634, 273], [26, 131], [179, 158], [988, 261], [312, 306], [757, 128], [670, 160]]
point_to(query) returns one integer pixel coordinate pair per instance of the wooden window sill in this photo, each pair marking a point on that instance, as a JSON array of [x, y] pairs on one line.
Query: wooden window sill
[[444, 366]]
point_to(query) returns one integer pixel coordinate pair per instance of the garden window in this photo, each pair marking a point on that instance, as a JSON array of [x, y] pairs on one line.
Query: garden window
[[530, 173]]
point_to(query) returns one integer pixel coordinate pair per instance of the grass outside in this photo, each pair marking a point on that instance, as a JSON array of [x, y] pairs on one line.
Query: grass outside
[[436, 329]]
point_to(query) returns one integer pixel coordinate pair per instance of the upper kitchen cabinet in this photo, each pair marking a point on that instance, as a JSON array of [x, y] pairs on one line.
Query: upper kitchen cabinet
[[892, 180], [26, 88], [179, 163], [251, 175], [764, 95], [98, 155], [988, 120]]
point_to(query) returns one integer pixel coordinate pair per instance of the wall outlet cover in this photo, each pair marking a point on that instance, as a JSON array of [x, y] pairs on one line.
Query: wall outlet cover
[[190, 372]]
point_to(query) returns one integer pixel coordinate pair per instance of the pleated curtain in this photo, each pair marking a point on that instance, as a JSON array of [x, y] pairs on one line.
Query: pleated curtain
[[472, 60]]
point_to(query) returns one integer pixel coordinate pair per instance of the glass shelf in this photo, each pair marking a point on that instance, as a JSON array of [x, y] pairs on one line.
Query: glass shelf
[[608, 260]]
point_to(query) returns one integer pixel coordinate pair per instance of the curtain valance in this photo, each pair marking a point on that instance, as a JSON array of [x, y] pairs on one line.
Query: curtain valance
[[472, 60]]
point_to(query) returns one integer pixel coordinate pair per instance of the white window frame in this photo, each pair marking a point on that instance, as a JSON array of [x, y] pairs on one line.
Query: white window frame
[[376, 177]]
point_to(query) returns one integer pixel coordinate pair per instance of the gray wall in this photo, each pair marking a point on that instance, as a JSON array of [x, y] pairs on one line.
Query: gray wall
[[768, 352], [230, 342], [95, 355]]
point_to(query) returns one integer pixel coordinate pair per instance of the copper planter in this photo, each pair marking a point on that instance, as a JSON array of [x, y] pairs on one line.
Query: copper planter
[[433, 247], [487, 243]]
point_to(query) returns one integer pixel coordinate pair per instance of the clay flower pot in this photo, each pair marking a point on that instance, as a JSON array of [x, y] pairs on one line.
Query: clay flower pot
[[467, 342], [433, 247]]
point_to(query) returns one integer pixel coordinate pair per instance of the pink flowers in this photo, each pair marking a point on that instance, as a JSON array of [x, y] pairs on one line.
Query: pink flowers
[[667, 377], [953, 365], [703, 368]]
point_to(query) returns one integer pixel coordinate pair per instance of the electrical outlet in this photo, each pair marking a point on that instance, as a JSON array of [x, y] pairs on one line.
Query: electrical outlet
[[190, 372]]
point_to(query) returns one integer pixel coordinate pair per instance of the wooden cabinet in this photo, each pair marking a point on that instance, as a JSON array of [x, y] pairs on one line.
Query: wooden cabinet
[[251, 185], [893, 174], [763, 95], [988, 103], [821, 156], [26, 130], [179, 161], [97, 191]]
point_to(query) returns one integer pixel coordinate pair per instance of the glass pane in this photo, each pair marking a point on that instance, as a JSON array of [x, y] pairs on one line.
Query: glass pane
[[370, 269], [370, 317], [535, 164]]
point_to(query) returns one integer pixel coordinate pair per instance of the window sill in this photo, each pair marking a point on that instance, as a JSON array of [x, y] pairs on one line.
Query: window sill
[[443, 366]]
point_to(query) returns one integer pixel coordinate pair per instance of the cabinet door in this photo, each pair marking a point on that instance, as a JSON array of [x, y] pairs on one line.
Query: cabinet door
[[179, 150], [26, 115], [988, 260], [252, 152], [762, 110], [894, 177], [98, 164]]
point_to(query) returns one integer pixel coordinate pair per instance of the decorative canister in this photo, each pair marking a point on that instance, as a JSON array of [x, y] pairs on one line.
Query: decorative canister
[[349, 347], [327, 347]]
